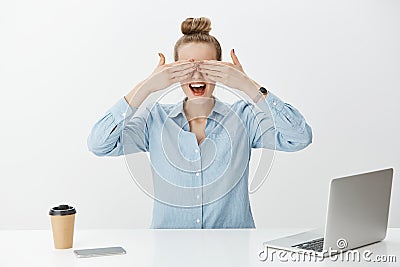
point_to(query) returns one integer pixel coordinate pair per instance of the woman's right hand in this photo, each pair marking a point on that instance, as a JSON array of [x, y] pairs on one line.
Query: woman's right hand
[[162, 77], [165, 75]]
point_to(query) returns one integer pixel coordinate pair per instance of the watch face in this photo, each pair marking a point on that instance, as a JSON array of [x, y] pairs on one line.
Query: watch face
[[263, 90]]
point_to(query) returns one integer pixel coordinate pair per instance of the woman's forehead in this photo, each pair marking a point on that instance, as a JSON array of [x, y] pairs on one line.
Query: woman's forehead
[[197, 51]]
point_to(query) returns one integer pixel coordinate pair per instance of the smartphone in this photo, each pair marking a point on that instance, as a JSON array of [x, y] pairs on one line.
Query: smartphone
[[96, 252]]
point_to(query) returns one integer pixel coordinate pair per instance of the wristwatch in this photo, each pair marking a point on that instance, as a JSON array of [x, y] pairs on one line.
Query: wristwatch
[[261, 92]]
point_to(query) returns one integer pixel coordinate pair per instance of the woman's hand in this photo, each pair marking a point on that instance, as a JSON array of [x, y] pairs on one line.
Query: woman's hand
[[229, 74], [162, 77], [165, 75]]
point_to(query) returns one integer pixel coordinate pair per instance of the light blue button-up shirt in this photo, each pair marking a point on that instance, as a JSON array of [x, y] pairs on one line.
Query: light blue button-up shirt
[[206, 185]]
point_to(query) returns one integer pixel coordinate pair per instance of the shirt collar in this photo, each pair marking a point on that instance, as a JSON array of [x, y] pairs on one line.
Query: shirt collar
[[219, 107]]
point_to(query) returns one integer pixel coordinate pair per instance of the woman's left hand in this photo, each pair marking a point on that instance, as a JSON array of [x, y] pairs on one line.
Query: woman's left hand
[[229, 74]]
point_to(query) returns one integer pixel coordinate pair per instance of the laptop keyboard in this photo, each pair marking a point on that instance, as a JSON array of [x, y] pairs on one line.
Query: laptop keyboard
[[316, 245]]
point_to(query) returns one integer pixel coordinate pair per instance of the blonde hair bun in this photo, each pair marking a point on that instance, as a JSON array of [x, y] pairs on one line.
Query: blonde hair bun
[[196, 25]]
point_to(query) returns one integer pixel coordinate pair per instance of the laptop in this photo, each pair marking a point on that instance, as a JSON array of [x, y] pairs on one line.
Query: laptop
[[357, 215]]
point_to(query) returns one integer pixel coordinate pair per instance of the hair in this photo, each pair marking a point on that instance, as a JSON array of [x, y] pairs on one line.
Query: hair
[[197, 30]]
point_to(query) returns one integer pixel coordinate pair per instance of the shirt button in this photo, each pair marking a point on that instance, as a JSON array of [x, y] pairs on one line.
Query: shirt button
[[198, 220], [196, 150], [198, 196], [123, 114], [274, 103], [197, 173]]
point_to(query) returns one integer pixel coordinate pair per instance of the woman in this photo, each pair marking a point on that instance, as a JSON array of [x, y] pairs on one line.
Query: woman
[[199, 148]]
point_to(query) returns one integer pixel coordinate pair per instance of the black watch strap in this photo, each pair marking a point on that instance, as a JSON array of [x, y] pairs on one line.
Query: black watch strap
[[261, 92]]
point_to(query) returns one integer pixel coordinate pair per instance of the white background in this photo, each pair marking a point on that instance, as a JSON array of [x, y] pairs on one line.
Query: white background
[[64, 63]]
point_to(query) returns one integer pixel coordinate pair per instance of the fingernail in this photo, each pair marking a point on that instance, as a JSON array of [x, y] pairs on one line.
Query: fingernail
[[159, 54]]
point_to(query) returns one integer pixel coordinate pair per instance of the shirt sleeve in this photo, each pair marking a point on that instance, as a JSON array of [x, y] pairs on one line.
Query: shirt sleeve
[[119, 132], [278, 125]]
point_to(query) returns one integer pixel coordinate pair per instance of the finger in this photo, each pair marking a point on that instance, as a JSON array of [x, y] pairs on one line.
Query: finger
[[182, 72], [235, 58], [212, 72], [162, 59], [183, 78], [220, 68], [213, 78], [181, 67], [182, 61], [213, 62]]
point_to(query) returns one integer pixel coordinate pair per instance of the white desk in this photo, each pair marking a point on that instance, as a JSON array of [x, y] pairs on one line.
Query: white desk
[[146, 247]]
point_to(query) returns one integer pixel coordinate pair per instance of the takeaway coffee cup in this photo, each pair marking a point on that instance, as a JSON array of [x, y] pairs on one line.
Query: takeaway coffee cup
[[62, 224]]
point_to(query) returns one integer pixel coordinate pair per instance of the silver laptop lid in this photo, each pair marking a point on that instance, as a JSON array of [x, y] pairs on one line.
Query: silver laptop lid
[[358, 209]]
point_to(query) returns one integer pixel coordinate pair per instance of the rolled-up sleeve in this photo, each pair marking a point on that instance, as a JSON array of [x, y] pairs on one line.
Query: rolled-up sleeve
[[106, 136], [278, 125]]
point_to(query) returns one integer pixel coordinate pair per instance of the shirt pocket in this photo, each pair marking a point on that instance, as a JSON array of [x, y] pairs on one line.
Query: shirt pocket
[[224, 143]]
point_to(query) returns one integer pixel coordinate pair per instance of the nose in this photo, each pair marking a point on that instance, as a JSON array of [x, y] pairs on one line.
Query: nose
[[197, 75]]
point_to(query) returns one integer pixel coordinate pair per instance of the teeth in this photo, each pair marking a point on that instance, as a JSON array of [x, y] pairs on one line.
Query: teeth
[[197, 85]]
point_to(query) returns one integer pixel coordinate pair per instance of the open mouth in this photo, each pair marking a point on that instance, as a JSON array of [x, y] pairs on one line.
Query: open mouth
[[198, 88]]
